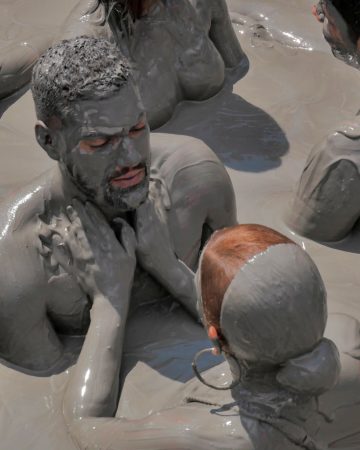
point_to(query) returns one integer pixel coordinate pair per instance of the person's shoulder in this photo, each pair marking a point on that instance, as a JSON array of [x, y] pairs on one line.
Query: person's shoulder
[[21, 206], [172, 153], [340, 145]]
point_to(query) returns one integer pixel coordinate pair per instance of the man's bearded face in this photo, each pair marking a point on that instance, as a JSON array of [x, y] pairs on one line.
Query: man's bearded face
[[108, 150]]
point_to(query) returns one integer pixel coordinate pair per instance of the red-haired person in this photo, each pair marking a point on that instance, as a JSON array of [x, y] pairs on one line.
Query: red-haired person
[[181, 47], [263, 304]]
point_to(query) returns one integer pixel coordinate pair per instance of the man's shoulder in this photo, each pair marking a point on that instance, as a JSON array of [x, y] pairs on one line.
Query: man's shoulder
[[22, 205], [171, 154]]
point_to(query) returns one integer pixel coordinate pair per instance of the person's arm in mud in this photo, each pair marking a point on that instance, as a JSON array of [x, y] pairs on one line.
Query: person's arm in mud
[[187, 427], [326, 204], [203, 189], [97, 261], [223, 35], [104, 268]]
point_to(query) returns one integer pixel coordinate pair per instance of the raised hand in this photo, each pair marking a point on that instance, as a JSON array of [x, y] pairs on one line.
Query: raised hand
[[155, 252], [154, 247], [104, 268], [88, 249]]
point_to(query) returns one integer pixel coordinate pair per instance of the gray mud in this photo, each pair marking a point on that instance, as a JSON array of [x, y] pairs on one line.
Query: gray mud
[[263, 128]]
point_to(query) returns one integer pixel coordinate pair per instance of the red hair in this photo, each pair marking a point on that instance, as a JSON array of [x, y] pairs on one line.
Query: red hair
[[225, 253]]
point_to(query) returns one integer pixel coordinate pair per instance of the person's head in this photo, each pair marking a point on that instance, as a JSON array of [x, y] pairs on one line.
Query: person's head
[[341, 19], [92, 121], [266, 300]]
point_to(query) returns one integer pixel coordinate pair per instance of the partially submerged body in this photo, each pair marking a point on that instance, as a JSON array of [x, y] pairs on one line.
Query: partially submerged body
[[180, 48], [38, 297], [325, 206], [269, 407]]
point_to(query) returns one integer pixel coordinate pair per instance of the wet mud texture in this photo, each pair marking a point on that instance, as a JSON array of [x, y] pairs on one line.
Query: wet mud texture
[[263, 128]]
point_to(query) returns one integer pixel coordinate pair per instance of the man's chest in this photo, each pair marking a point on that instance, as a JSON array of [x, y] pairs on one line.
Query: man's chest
[[69, 308]]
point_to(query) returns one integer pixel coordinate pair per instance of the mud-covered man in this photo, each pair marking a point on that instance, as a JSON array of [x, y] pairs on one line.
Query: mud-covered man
[[70, 238]]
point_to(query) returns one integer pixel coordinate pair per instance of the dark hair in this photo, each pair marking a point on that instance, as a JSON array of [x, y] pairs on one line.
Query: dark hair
[[134, 7], [76, 69], [350, 11]]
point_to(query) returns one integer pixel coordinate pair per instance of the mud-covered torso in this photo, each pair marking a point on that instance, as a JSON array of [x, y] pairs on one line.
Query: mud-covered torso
[[175, 57], [69, 308], [49, 289]]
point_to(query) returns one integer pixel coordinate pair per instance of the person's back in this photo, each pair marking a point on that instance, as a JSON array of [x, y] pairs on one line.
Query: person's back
[[180, 48]]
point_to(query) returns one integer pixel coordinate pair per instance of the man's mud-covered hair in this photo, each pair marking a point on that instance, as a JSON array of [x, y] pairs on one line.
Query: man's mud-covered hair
[[77, 69], [350, 11]]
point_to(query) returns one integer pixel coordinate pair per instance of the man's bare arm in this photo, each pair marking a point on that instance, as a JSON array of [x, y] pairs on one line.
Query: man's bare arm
[[202, 193], [104, 268]]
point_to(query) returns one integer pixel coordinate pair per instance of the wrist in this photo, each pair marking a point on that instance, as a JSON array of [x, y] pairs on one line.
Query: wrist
[[115, 303]]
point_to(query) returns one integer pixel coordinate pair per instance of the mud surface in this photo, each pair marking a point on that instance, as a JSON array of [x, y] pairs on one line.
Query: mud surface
[[263, 128]]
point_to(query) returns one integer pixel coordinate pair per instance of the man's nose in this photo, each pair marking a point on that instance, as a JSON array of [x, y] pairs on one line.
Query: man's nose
[[127, 154]]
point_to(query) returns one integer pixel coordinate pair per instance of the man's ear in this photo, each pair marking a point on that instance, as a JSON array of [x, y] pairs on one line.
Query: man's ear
[[46, 139]]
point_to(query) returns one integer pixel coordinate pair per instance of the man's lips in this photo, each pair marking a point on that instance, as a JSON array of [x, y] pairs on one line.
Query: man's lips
[[131, 178]]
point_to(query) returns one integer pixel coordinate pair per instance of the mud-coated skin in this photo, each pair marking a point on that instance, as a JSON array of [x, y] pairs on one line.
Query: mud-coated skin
[[278, 370], [180, 48], [325, 206], [38, 296]]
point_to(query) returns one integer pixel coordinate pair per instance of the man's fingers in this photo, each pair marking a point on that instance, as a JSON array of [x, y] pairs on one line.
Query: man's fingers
[[85, 221], [61, 251], [143, 215], [71, 213], [128, 238]]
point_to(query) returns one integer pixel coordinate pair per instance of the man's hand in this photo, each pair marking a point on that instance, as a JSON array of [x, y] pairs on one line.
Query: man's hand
[[154, 247], [155, 251], [88, 249]]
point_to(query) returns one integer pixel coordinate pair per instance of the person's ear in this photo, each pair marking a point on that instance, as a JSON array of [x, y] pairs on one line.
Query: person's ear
[[214, 338], [46, 139]]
